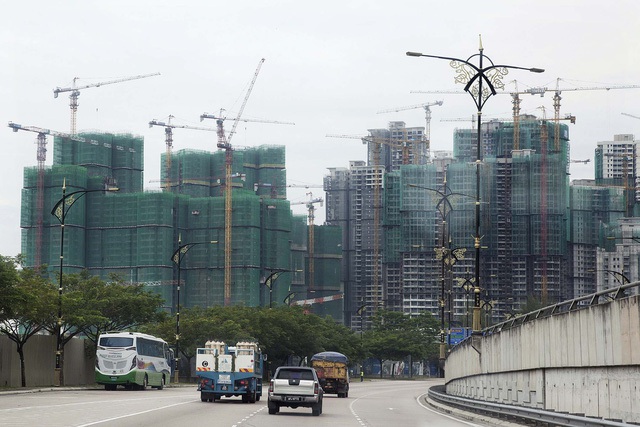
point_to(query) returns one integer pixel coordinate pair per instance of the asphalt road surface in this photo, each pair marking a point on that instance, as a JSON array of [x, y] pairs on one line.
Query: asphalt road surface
[[370, 404]]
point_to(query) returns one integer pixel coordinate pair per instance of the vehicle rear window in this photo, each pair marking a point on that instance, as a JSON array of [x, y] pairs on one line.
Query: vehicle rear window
[[116, 342], [295, 374]]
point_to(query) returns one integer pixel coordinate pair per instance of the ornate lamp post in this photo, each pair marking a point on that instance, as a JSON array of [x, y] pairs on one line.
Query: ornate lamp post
[[445, 254], [269, 282], [177, 258], [480, 82], [60, 212]]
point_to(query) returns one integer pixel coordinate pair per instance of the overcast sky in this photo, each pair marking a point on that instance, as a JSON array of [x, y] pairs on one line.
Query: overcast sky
[[329, 67]]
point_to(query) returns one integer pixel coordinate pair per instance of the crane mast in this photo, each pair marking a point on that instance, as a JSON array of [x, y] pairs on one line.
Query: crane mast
[[168, 136], [224, 143], [75, 93], [427, 129], [375, 143], [311, 237], [41, 157]]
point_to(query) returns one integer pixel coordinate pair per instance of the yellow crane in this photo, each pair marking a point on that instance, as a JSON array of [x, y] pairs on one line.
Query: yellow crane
[[311, 238], [427, 129], [75, 93], [224, 143], [168, 134], [540, 90]]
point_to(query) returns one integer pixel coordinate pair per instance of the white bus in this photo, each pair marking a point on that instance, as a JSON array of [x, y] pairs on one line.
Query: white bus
[[133, 360]]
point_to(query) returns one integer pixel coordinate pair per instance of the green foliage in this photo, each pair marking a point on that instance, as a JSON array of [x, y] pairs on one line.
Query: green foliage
[[26, 305], [395, 336], [281, 332]]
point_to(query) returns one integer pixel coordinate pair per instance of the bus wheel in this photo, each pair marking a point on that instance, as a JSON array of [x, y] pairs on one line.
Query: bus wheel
[[145, 383], [161, 386], [110, 386]]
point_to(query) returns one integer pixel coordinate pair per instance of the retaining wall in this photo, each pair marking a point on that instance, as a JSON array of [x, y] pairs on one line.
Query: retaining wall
[[583, 362]]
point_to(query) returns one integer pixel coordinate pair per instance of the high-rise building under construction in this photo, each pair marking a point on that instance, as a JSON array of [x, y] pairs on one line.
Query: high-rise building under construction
[[429, 216], [134, 233]]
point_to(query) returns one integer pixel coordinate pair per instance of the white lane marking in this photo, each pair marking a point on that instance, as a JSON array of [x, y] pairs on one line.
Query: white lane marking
[[444, 415], [27, 408], [248, 416], [134, 414]]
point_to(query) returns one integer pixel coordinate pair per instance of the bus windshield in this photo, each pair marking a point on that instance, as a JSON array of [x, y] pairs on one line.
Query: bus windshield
[[116, 342]]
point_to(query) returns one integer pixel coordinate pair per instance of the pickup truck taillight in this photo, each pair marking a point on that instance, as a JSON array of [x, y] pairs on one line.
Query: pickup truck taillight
[[271, 386], [315, 388]]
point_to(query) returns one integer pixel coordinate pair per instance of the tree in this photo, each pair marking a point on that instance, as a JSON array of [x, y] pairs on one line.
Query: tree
[[91, 306], [118, 306], [282, 332], [27, 304], [396, 336]]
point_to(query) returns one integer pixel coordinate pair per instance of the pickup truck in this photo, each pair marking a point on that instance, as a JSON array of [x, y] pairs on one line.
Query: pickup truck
[[295, 386]]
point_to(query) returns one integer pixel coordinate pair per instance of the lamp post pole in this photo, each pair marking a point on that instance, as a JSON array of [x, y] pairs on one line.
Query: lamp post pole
[[447, 256], [269, 282], [177, 258], [60, 212], [475, 77]]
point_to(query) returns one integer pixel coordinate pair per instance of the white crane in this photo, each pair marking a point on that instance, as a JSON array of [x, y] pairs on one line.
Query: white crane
[[427, 118], [75, 93], [168, 133]]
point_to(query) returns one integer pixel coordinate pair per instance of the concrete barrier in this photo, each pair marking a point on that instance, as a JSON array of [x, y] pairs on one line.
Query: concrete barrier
[[585, 361], [39, 355]]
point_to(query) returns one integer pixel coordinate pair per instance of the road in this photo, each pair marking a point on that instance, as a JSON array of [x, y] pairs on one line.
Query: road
[[370, 404]]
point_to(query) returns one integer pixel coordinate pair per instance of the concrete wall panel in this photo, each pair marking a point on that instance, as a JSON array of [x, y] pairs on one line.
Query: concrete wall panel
[[584, 362], [40, 362]]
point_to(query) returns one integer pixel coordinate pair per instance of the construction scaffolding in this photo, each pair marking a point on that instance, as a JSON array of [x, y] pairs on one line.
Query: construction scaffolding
[[133, 233]]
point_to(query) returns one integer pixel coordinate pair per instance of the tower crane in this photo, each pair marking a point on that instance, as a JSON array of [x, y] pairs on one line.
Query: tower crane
[[75, 93], [41, 157], [630, 115], [375, 143], [427, 129], [311, 242], [168, 134], [224, 143], [274, 188], [540, 90]]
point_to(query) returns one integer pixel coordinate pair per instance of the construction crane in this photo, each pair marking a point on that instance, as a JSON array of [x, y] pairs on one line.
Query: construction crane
[[75, 93], [585, 161], [274, 188], [41, 157], [375, 143], [427, 129], [630, 115], [540, 90], [224, 143], [168, 134], [311, 241]]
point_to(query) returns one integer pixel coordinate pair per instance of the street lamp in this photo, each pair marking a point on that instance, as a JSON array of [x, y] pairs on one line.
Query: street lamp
[[474, 77], [447, 255], [60, 212], [270, 281], [177, 258], [617, 274]]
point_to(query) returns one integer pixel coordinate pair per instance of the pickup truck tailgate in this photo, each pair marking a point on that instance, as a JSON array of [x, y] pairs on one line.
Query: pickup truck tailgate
[[294, 386]]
